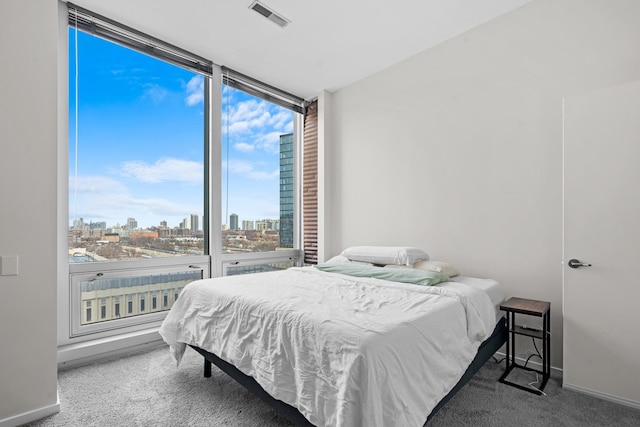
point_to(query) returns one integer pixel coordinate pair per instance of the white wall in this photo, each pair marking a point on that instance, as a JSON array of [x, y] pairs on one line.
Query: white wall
[[458, 150], [28, 132]]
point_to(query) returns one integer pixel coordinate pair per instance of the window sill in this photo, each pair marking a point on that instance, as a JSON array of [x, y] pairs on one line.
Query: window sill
[[103, 349]]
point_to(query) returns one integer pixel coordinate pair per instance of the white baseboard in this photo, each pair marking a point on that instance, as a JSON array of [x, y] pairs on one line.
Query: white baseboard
[[603, 396], [34, 415], [597, 394], [90, 352], [87, 352]]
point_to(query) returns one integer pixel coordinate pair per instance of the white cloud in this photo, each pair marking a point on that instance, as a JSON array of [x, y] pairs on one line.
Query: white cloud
[[281, 119], [237, 166], [100, 198], [158, 206], [164, 170], [269, 142], [95, 184], [244, 147], [247, 169], [195, 91], [254, 115], [259, 122], [115, 208], [155, 93], [237, 127], [247, 111]]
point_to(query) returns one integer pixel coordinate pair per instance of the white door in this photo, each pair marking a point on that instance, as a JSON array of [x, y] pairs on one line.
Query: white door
[[601, 303]]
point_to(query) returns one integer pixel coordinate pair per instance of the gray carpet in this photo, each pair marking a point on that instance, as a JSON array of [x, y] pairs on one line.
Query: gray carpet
[[147, 390]]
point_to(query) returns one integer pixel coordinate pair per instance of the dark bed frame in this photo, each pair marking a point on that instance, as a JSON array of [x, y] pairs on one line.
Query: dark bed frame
[[486, 350]]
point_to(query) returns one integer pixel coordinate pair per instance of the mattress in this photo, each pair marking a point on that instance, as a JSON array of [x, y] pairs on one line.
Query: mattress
[[344, 351], [493, 288]]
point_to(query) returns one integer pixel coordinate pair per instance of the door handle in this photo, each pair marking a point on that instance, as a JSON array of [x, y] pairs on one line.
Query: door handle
[[574, 263]]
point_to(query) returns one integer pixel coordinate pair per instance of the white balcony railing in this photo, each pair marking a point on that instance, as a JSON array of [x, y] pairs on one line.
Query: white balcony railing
[[115, 297]]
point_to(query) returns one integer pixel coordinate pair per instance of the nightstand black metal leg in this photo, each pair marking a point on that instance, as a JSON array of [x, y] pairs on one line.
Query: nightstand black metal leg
[[531, 308]]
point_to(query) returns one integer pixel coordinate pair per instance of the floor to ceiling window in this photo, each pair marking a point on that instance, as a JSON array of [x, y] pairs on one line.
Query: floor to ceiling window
[[138, 167], [178, 170], [260, 151]]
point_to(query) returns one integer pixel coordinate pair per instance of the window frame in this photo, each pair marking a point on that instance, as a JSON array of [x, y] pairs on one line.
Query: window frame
[[221, 260], [70, 328], [213, 263], [257, 258]]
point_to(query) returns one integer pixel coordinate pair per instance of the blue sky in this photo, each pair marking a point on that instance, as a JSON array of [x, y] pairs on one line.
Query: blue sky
[[140, 141]]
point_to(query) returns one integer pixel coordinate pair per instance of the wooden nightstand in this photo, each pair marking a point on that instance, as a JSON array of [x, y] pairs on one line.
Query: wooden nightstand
[[530, 308]]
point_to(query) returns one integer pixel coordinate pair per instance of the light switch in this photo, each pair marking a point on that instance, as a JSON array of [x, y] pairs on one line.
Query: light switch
[[9, 265]]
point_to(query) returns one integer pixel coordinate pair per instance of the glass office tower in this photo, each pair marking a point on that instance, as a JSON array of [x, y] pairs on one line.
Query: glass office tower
[[286, 190]]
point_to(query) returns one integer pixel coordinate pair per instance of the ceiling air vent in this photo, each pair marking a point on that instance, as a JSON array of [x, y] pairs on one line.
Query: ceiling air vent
[[269, 13]]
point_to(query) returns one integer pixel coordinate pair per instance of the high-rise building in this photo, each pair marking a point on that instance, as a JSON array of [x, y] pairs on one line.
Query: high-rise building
[[132, 224], [248, 225], [286, 190], [268, 225], [101, 225], [233, 222], [194, 223], [78, 224]]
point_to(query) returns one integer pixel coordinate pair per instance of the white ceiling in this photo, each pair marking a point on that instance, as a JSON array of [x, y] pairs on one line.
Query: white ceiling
[[328, 44]]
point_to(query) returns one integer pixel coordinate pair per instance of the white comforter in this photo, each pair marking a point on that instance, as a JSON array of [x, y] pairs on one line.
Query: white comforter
[[345, 351]]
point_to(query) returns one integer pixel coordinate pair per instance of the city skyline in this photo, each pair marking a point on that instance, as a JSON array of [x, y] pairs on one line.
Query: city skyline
[[81, 223], [140, 141]]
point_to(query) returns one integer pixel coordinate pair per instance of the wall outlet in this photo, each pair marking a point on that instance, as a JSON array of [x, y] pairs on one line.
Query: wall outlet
[[9, 265]]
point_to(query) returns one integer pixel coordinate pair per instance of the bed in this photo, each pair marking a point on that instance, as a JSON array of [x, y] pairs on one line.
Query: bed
[[342, 345]]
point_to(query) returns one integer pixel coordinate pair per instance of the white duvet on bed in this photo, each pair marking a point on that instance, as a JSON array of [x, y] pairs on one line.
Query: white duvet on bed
[[345, 351]]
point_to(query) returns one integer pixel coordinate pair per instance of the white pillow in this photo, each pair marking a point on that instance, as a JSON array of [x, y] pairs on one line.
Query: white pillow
[[338, 259], [400, 255], [436, 266], [439, 266]]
